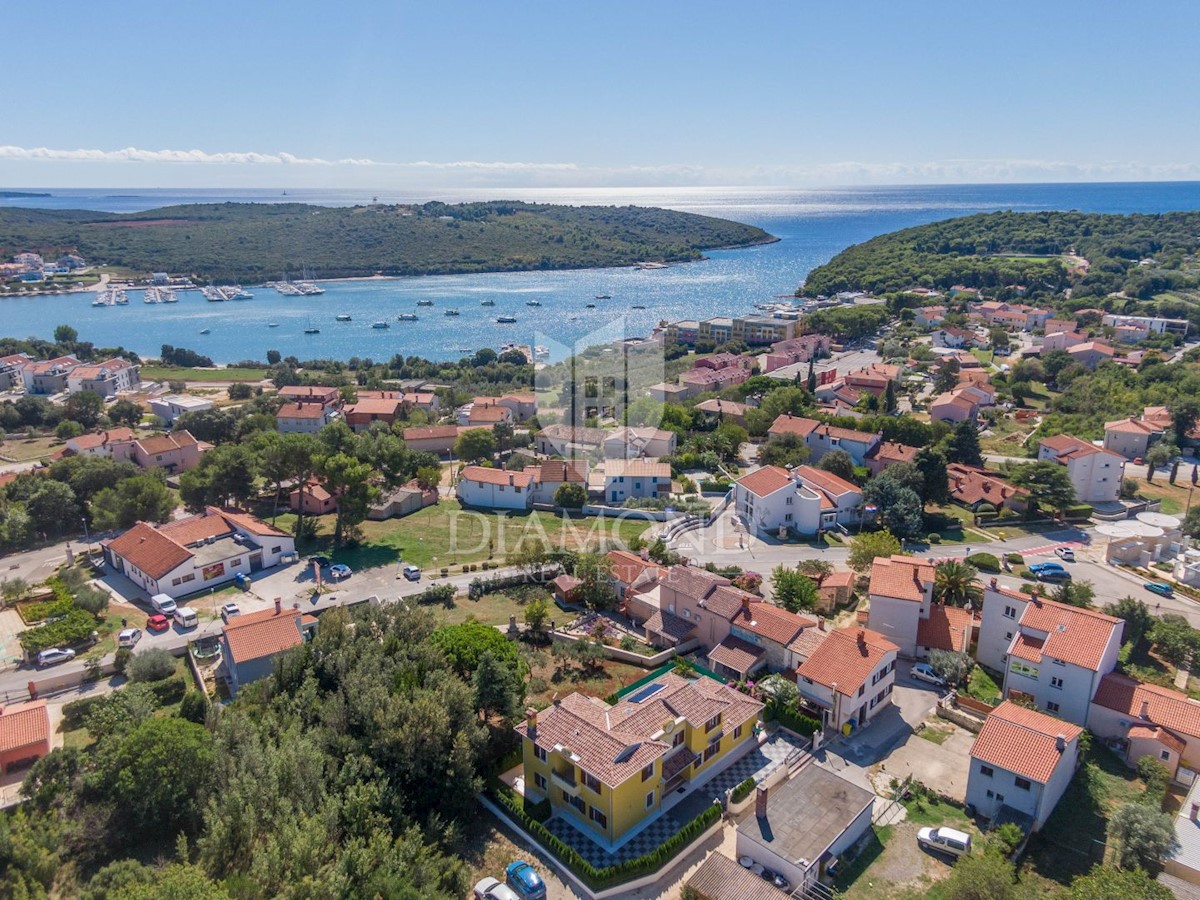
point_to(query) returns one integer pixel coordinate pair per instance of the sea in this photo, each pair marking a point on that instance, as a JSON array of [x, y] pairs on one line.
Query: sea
[[551, 308]]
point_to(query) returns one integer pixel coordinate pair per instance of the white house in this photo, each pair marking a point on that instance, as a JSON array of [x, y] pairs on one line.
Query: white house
[[821, 438], [1022, 760], [1053, 653], [903, 611], [1095, 472], [173, 406], [805, 500], [115, 376], [198, 552], [1151, 720], [1133, 435], [639, 443], [251, 642], [304, 418], [489, 488], [850, 676]]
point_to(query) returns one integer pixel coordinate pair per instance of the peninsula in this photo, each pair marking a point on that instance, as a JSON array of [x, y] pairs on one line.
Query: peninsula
[[247, 242]]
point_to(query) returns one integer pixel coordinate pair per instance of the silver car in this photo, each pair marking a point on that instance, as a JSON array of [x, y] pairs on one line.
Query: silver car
[[54, 656]]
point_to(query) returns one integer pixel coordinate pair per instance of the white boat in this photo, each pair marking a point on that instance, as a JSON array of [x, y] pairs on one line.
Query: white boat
[[312, 330], [167, 295], [308, 289], [450, 312], [237, 292], [541, 352], [407, 317], [506, 320], [213, 294], [343, 317], [100, 301], [424, 303], [379, 324], [151, 296], [533, 302], [206, 331], [119, 297], [487, 302], [272, 324], [286, 288]]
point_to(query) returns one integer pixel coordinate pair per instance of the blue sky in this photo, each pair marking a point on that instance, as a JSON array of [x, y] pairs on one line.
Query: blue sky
[[389, 94]]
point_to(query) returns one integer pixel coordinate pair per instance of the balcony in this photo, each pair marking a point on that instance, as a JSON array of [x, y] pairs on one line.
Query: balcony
[[566, 782]]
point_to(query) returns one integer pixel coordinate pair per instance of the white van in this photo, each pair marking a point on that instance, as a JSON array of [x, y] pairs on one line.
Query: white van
[[412, 573], [946, 840], [186, 618], [163, 604]]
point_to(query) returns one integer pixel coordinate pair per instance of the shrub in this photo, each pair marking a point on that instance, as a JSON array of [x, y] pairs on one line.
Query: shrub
[[1157, 778], [70, 628], [45, 609], [169, 690], [194, 707], [794, 720], [121, 660], [628, 643], [934, 538], [152, 665], [1009, 836], [437, 593], [1015, 559], [985, 562], [742, 791]]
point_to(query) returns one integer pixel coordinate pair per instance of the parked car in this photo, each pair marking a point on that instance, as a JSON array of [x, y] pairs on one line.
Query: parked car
[[186, 617], [161, 603], [229, 610], [321, 561], [924, 672], [526, 883], [1159, 587], [945, 840], [54, 656], [494, 889], [340, 571], [1066, 554], [158, 622], [1050, 571], [128, 637], [412, 573]]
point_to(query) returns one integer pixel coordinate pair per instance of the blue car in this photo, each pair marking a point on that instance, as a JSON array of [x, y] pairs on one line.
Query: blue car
[[1050, 571], [1160, 588], [524, 879]]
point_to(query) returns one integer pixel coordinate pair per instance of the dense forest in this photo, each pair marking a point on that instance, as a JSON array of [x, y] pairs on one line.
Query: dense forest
[[250, 242], [1037, 250]]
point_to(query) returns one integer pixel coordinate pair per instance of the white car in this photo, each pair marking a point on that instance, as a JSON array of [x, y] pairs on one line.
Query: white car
[[1066, 554], [229, 610], [128, 637], [493, 889], [945, 840], [924, 672], [54, 656]]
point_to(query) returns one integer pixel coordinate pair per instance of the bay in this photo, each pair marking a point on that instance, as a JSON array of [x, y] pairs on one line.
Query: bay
[[812, 226]]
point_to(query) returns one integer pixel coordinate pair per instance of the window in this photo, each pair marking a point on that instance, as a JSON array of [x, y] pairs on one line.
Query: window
[[540, 780], [575, 802], [276, 549], [649, 799], [648, 772], [1164, 755], [187, 578], [987, 772], [236, 562], [711, 750], [1010, 612], [599, 818], [1000, 797], [1023, 668], [1056, 682], [789, 501], [861, 689], [1023, 783], [592, 782], [787, 517], [539, 752], [712, 723], [1052, 707], [991, 794], [677, 740], [737, 732], [1008, 635]]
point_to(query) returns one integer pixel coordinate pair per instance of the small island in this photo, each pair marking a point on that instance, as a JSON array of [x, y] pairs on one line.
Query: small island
[[255, 242], [21, 195]]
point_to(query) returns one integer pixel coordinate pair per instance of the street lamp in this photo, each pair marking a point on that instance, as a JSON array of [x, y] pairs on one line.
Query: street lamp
[[86, 537]]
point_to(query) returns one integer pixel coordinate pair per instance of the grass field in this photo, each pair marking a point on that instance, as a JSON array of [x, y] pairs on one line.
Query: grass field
[[447, 535], [1174, 497], [29, 449], [496, 608], [981, 686], [550, 676], [167, 373]]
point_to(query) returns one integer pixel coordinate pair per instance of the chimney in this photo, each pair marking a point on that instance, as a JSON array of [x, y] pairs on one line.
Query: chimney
[[1145, 713], [862, 637], [994, 583], [278, 606], [1194, 815], [760, 801], [510, 479], [531, 721], [746, 604], [820, 623], [1060, 743]]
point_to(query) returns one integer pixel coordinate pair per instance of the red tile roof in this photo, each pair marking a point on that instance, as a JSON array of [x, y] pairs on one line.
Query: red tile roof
[[947, 628], [100, 438], [301, 411], [847, 657], [892, 452], [1155, 733], [770, 621], [820, 480], [766, 481], [24, 725], [430, 432], [901, 577], [487, 475], [1165, 707], [265, 635], [1067, 447], [1022, 741], [635, 468], [1074, 635], [788, 424], [628, 567], [970, 485], [736, 653], [149, 550]]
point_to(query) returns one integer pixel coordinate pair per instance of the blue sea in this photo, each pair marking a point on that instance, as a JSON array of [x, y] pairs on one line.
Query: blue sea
[[812, 226]]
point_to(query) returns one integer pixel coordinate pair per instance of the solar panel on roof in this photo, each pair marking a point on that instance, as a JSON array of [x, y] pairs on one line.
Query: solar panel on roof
[[646, 693]]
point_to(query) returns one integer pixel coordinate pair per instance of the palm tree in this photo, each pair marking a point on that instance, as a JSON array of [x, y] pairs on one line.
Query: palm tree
[[954, 583]]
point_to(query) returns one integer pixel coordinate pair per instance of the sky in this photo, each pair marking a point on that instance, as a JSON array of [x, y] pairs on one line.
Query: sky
[[381, 94]]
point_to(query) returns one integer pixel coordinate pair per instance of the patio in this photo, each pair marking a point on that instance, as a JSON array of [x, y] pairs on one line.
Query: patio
[[683, 805]]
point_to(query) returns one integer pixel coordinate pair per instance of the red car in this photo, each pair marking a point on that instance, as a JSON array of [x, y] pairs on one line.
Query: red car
[[158, 622]]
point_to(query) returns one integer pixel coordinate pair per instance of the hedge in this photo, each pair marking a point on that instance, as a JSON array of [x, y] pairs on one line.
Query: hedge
[[73, 627], [598, 879], [742, 791], [794, 720], [32, 613], [75, 714], [985, 562], [1015, 559]]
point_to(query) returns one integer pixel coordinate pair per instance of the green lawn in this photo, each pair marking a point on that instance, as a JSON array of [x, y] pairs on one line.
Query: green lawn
[[447, 535], [981, 686], [167, 373], [29, 449], [496, 608], [984, 356]]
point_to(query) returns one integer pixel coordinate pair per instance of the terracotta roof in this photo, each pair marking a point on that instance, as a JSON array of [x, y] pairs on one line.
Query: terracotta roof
[[807, 641], [720, 878], [430, 432], [555, 471], [486, 475], [247, 522], [727, 601], [819, 479], [489, 414], [580, 435], [24, 725], [1066, 446], [308, 392], [766, 481], [901, 577], [1133, 425], [947, 628], [1155, 733], [788, 424], [1022, 741], [635, 468], [265, 636], [724, 407], [892, 452], [99, 370], [566, 583], [165, 443], [149, 550], [1074, 635], [970, 485], [737, 654], [669, 624], [1165, 707], [301, 411], [693, 581], [100, 438], [1027, 647], [771, 622], [845, 434], [371, 406], [847, 657], [627, 567]]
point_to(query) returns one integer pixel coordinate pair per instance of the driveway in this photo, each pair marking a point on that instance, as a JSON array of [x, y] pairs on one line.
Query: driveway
[[943, 766]]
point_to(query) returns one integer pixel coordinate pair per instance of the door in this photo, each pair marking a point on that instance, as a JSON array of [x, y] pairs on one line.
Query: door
[[256, 561]]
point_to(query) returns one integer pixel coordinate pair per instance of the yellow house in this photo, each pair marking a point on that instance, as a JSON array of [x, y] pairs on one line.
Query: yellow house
[[607, 768]]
